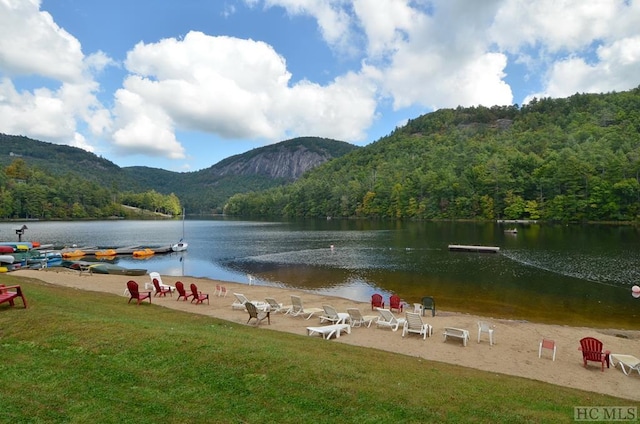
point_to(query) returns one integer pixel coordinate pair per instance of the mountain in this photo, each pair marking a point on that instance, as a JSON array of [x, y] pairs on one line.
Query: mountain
[[202, 191], [569, 159]]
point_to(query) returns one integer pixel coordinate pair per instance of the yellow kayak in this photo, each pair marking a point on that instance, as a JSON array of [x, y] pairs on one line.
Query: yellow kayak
[[142, 253], [73, 254]]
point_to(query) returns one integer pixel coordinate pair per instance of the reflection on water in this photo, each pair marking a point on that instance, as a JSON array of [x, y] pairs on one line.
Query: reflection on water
[[551, 273]]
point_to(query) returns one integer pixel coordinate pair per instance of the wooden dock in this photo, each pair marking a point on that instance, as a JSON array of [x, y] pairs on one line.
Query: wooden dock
[[468, 248]]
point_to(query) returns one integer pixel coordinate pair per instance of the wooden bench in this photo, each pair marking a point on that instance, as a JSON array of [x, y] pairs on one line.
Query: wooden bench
[[458, 333], [329, 330], [9, 296]]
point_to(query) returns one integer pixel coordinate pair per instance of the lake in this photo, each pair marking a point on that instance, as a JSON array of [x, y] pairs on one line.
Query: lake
[[578, 274]]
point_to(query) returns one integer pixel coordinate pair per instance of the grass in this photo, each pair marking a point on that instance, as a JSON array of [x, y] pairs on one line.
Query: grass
[[75, 356]]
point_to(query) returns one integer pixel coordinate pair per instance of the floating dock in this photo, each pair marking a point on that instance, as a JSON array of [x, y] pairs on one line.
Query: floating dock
[[468, 248]]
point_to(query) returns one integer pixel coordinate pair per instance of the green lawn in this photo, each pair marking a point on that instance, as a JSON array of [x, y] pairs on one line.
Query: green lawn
[[78, 357]]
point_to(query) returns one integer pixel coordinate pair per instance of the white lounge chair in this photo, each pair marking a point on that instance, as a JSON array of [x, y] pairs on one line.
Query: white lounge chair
[[331, 315], [414, 324], [329, 330], [356, 319], [156, 275], [388, 320], [275, 306], [297, 308], [242, 299], [485, 327], [630, 361]]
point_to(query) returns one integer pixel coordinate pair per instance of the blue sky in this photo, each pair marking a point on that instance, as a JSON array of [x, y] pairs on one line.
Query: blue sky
[[183, 84]]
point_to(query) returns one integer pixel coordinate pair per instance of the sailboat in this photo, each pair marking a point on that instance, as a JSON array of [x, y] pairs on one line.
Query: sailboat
[[180, 245]]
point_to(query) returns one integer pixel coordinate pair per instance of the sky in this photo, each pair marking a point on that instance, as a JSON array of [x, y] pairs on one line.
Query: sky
[[183, 84]]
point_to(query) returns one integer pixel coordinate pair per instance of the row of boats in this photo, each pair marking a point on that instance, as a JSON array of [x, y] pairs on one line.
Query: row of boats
[[16, 255]]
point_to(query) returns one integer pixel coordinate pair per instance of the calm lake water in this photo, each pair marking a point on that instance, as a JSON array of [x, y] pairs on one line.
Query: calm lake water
[[550, 273]]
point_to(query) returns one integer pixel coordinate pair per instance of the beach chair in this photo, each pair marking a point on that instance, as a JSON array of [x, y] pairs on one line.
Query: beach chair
[[333, 316], [326, 331], [356, 319], [161, 290], [197, 295], [156, 276], [182, 293], [628, 363], [428, 303], [297, 308], [458, 333], [547, 344], [413, 324], [259, 316], [395, 303], [223, 291], [485, 327], [376, 301], [275, 307], [10, 296], [136, 294], [592, 351], [388, 320]]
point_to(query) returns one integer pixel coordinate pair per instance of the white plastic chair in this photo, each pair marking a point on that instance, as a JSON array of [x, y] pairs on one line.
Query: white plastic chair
[[548, 344], [485, 327], [387, 319], [333, 316], [414, 324], [356, 319]]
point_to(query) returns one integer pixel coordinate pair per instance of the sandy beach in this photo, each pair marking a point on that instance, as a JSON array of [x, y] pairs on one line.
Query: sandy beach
[[515, 351]]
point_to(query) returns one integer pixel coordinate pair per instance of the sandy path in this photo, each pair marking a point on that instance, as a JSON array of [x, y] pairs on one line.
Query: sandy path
[[515, 351]]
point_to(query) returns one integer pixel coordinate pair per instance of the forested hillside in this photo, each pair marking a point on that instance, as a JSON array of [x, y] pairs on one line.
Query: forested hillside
[[46, 181], [208, 190], [573, 159]]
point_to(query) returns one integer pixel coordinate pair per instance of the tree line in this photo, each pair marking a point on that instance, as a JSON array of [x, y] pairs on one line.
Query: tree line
[[574, 159], [31, 193]]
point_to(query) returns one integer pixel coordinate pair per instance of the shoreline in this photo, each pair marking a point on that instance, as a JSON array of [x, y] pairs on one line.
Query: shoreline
[[514, 352]]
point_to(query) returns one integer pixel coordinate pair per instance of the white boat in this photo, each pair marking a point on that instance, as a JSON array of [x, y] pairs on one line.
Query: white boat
[[181, 245]]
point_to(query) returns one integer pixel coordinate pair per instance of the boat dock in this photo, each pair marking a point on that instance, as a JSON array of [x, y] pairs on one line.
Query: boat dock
[[468, 248], [127, 250]]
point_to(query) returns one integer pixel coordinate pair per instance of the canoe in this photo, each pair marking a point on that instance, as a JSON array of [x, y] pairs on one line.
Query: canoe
[[7, 259], [6, 249], [104, 268], [106, 252], [143, 253]]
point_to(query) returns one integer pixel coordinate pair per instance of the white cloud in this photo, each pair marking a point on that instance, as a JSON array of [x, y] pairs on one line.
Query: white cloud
[[616, 69], [231, 87], [32, 45], [333, 18]]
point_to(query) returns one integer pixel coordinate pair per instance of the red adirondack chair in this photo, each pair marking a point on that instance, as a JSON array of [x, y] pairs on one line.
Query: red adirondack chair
[[182, 293], [395, 303], [376, 301], [9, 296], [132, 286], [160, 290], [592, 351], [198, 296]]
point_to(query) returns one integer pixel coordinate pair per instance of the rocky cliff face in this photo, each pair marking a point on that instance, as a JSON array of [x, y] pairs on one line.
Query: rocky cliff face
[[280, 163], [285, 160]]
